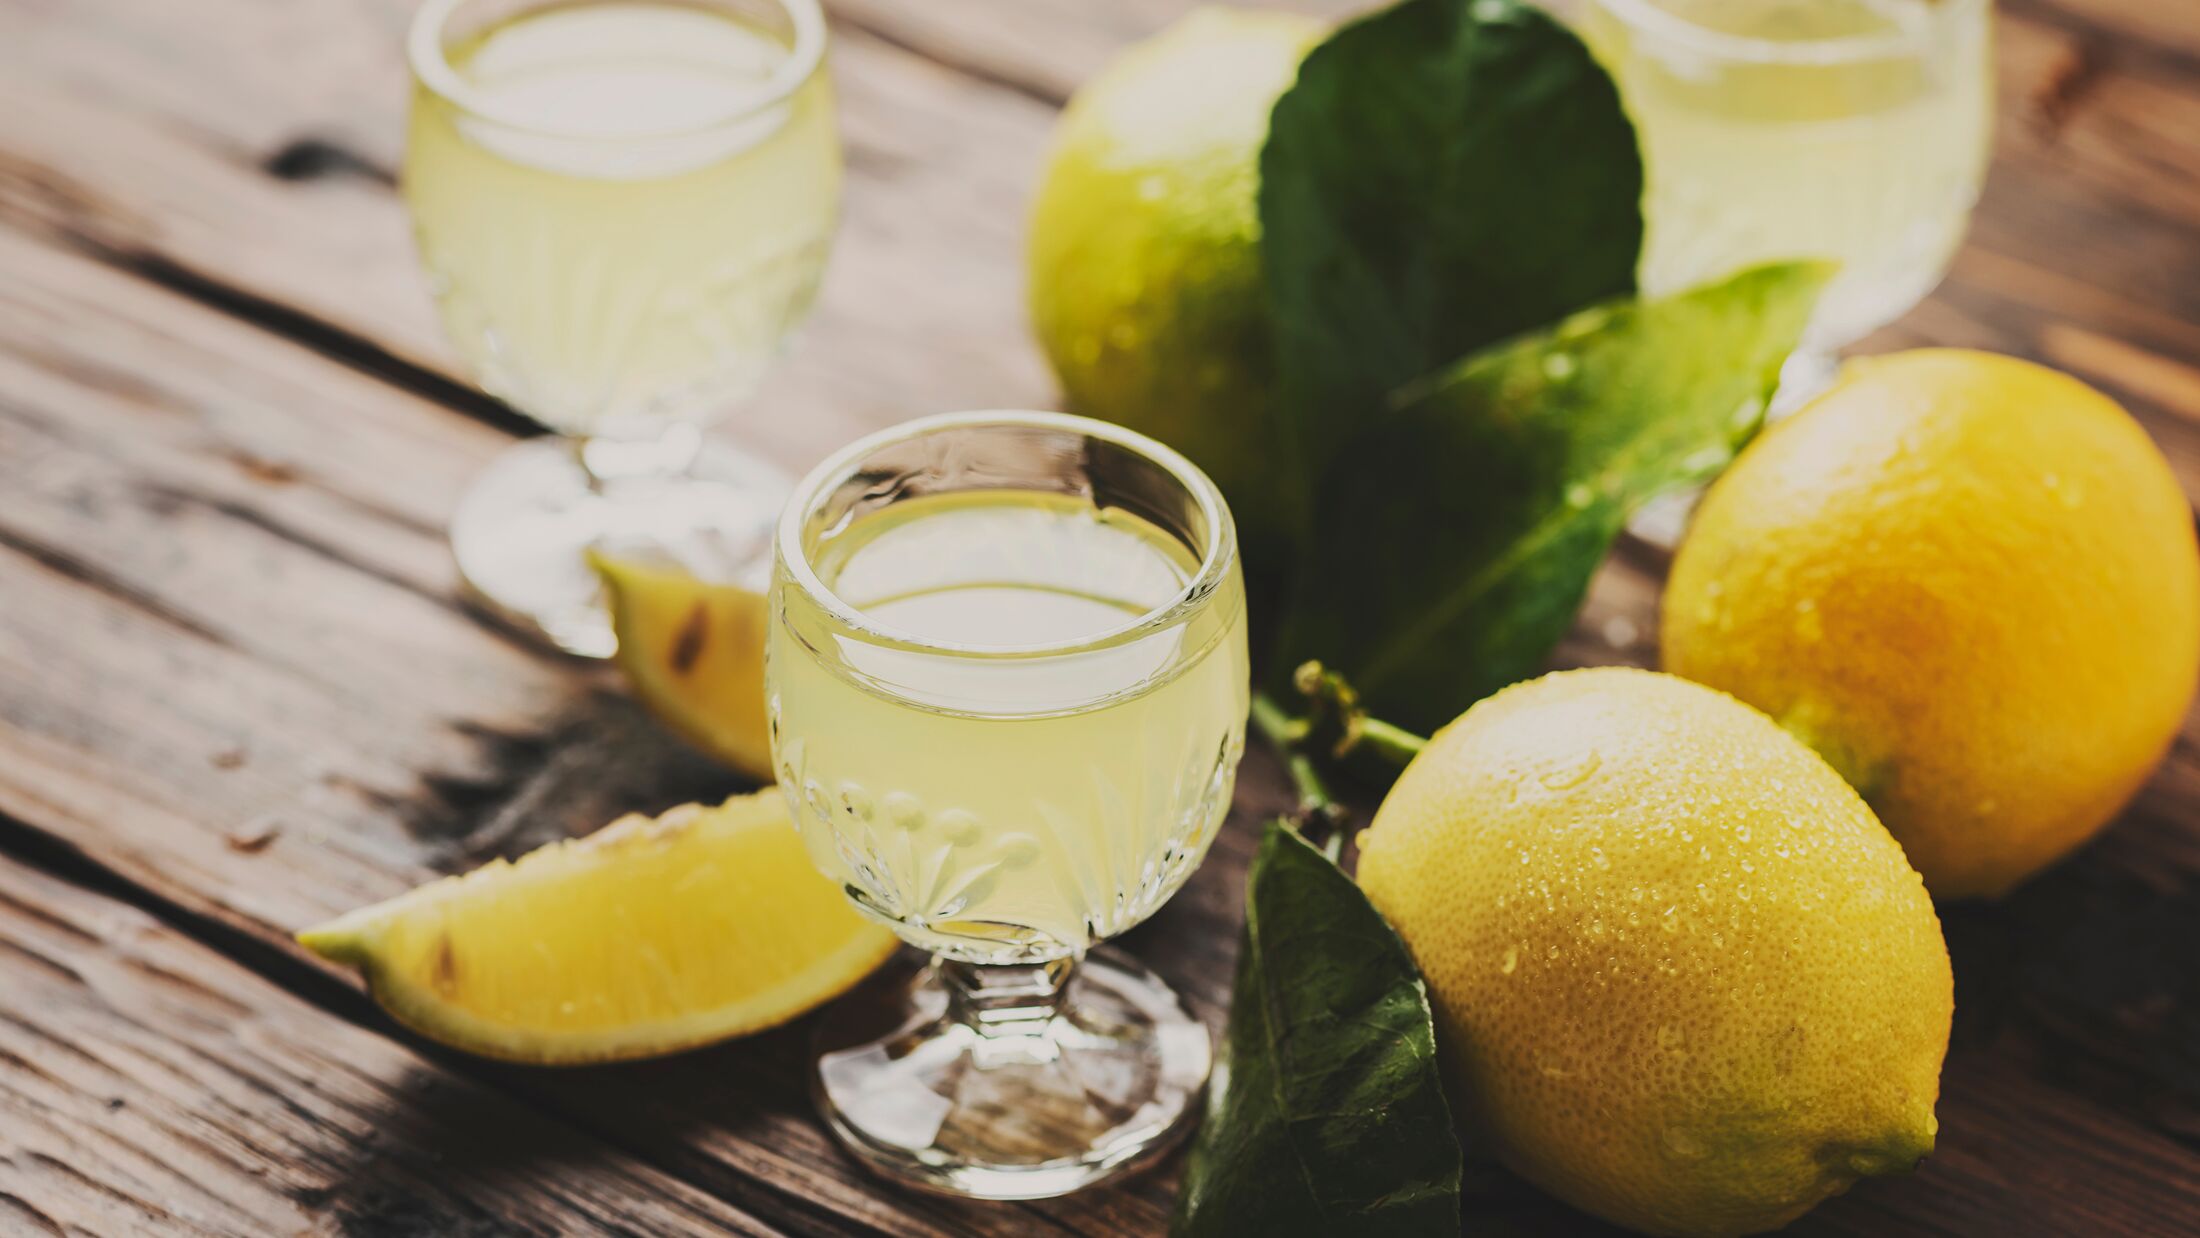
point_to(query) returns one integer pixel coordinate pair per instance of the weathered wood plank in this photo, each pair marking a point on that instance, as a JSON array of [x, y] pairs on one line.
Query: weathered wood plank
[[265, 726], [149, 1085], [223, 604], [254, 529], [2133, 28], [179, 680]]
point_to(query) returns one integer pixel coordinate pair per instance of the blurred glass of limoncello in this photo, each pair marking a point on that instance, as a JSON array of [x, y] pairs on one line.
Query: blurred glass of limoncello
[[1856, 130], [623, 208], [605, 243]]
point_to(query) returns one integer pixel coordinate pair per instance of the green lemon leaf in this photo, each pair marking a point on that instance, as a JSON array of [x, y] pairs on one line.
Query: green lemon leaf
[[1325, 1113], [1456, 535], [1442, 175]]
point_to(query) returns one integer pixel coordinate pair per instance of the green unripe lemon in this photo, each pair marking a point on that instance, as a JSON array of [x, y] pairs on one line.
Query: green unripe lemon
[[1146, 288]]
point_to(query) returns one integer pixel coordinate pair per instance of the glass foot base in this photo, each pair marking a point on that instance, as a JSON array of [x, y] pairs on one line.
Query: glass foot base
[[1007, 1083], [521, 532]]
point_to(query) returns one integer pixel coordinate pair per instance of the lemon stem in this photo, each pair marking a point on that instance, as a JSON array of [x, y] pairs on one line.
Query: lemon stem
[[1331, 696], [1394, 744], [1316, 806]]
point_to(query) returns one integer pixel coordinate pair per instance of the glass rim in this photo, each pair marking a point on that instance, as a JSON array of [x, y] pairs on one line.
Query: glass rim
[[1217, 557], [1649, 16], [432, 69]]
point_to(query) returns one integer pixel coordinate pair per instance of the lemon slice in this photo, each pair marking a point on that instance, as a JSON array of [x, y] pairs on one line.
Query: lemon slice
[[647, 937], [694, 651]]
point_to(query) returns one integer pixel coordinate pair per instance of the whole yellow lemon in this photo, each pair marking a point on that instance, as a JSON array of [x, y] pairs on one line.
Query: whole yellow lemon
[[1971, 583], [1146, 287], [1681, 978]]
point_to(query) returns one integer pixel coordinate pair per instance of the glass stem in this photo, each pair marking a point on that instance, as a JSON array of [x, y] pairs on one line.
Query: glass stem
[[610, 461], [1005, 1000]]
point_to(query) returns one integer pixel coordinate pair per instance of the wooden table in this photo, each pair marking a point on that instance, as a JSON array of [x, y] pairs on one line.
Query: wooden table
[[238, 692]]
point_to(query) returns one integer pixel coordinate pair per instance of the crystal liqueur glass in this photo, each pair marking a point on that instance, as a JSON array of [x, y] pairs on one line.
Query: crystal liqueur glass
[[622, 208], [1008, 687], [1856, 130]]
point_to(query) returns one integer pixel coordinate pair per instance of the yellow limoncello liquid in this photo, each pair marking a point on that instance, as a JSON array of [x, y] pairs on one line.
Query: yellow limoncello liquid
[[620, 216], [1008, 802], [1856, 130]]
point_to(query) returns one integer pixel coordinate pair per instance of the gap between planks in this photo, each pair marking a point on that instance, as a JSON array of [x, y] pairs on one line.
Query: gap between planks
[[320, 988], [694, 1163], [328, 993]]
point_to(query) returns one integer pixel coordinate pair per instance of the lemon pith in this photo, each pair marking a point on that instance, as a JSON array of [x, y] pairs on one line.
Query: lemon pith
[[1968, 580], [649, 936], [1681, 977]]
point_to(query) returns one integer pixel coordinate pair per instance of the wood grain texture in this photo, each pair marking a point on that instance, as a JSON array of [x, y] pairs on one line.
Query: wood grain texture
[[184, 669], [234, 517], [238, 692], [254, 197], [149, 1085]]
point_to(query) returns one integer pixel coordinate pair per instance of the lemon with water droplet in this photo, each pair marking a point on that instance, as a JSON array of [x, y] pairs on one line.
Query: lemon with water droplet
[[1969, 581], [1723, 1071], [1145, 275]]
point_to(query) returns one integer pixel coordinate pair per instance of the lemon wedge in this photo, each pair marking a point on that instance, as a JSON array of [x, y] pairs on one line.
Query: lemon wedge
[[694, 651], [647, 937]]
